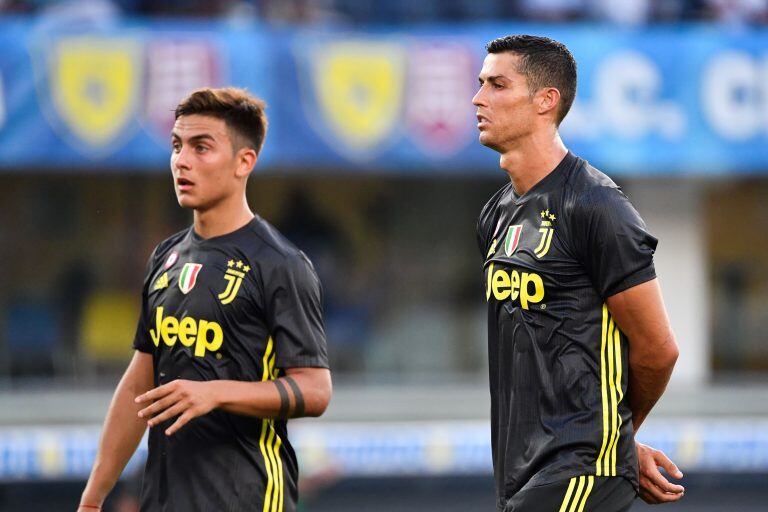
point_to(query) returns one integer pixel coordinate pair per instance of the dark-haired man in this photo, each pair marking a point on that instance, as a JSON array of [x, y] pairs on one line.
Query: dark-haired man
[[230, 342], [580, 347]]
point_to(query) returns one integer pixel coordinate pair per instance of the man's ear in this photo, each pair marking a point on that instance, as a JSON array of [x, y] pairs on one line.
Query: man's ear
[[547, 99], [246, 161]]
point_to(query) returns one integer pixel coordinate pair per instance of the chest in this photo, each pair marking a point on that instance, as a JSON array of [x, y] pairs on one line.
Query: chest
[[203, 308], [524, 234], [209, 282], [530, 259]]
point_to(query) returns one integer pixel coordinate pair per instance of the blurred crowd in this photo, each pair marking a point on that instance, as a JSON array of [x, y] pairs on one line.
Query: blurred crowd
[[624, 12]]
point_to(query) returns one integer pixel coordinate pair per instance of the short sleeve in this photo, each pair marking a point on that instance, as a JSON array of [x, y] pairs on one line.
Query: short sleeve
[[142, 341], [611, 241], [295, 297]]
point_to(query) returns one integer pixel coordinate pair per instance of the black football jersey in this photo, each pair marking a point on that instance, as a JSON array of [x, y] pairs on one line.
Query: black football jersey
[[557, 361], [243, 306]]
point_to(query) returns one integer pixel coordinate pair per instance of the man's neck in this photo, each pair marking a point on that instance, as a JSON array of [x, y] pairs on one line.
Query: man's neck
[[532, 160], [222, 219]]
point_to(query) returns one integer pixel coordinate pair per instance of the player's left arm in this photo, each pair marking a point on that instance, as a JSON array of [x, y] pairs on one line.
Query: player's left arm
[[616, 249], [640, 314], [612, 242], [300, 392]]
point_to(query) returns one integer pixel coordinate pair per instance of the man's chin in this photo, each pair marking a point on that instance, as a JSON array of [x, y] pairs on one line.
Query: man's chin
[[486, 140], [186, 202]]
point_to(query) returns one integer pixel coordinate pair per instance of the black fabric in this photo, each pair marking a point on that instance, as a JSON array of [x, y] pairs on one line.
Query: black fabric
[[254, 310], [579, 494], [551, 258]]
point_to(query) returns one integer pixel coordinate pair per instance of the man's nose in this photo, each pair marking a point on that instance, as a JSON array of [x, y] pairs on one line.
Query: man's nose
[[478, 99], [181, 160]]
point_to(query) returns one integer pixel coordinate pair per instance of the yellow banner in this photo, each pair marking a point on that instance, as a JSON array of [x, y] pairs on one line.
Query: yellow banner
[[359, 90], [95, 85]]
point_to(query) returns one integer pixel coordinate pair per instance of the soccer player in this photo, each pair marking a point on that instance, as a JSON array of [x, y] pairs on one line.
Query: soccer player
[[579, 343], [230, 342]]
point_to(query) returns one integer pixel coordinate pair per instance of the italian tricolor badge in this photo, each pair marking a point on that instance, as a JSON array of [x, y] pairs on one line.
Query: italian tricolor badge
[[513, 238], [188, 276]]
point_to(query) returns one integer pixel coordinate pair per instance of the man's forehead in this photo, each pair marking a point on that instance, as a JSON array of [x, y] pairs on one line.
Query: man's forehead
[[191, 125], [504, 63]]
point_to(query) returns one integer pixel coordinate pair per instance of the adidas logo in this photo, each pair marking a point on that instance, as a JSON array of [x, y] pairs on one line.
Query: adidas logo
[[162, 282]]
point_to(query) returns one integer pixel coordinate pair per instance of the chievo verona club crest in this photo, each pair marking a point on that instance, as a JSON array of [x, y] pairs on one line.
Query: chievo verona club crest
[[513, 239], [188, 276]]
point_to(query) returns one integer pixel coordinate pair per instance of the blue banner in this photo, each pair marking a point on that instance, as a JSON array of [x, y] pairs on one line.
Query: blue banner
[[656, 101]]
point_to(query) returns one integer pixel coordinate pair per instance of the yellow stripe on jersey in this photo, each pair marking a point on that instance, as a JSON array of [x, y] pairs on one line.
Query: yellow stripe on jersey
[[279, 503], [612, 394], [590, 483], [272, 369], [268, 466], [270, 442], [567, 498], [265, 359], [577, 495], [604, 392], [577, 500], [617, 433], [612, 386]]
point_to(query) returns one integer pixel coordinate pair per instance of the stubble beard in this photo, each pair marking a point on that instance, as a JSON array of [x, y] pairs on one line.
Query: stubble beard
[[487, 141]]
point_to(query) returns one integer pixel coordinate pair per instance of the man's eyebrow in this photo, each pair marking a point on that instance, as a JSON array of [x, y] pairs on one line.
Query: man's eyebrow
[[492, 78], [194, 138]]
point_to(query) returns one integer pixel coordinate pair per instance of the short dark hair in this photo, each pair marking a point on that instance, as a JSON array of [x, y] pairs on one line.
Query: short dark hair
[[545, 63], [243, 113]]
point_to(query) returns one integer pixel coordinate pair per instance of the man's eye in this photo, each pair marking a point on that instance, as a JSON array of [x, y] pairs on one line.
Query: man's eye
[[498, 86], [176, 147], [201, 149]]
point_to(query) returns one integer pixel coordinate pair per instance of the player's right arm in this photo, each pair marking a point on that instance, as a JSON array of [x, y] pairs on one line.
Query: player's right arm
[[123, 429]]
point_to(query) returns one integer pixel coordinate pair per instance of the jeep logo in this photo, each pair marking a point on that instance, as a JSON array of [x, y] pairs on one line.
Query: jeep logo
[[203, 334]]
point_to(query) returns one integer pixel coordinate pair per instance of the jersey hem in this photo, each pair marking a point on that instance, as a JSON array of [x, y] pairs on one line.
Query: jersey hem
[[539, 480], [145, 350], [304, 362]]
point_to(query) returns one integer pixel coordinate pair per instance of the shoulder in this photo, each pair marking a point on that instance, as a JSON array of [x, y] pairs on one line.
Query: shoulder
[[273, 250], [588, 190], [164, 248], [493, 202], [587, 181], [490, 208], [596, 205]]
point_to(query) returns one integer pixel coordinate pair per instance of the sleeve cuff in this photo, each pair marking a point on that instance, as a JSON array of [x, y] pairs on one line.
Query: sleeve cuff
[[303, 362], [639, 277]]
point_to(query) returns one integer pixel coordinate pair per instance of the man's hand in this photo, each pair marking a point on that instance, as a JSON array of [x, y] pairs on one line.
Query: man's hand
[[186, 399], [654, 488]]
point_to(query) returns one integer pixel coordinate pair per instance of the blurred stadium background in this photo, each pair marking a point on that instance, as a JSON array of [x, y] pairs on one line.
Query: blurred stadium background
[[371, 166]]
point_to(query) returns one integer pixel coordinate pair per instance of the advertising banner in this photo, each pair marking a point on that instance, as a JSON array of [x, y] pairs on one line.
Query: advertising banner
[[656, 101]]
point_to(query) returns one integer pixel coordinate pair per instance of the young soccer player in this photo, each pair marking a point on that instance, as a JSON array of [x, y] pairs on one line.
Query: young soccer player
[[230, 342]]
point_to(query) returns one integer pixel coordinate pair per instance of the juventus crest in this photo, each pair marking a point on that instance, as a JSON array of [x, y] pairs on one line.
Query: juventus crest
[[234, 276], [546, 229]]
